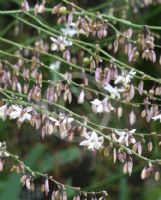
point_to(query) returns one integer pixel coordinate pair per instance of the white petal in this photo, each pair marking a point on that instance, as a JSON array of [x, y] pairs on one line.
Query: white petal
[[100, 109], [52, 119], [17, 108], [94, 136], [70, 119], [87, 135], [57, 123], [118, 80], [109, 88], [90, 147], [121, 139], [119, 132], [96, 102], [53, 39], [85, 143], [127, 140], [55, 65], [54, 47], [132, 131], [156, 117], [2, 108], [25, 117], [14, 114], [97, 145], [133, 140]]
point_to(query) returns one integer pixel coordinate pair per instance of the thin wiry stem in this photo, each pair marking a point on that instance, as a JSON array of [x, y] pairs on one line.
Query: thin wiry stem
[[117, 62], [82, 12], [106, 137], [110, 17], [39, 174], [77, 67], [61, 107], [134, 104]]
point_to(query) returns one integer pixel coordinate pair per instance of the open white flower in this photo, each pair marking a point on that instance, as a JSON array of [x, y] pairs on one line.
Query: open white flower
[[114, 91], [92, 141], [3, 110], [97, 106], [22, 114], [60, 43], [65, 119], [126, 137], [101, 106], [157, 117], [69, 30], [125, 77]]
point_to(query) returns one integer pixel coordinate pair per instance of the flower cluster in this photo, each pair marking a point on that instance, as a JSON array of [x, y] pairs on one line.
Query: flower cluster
[[48, 124], [79, 71], [92, 141]]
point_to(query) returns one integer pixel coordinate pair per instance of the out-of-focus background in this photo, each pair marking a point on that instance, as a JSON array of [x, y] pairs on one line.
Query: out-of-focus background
[[66, 161]]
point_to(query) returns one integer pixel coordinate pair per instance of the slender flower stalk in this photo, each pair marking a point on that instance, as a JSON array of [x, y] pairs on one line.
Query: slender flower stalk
[[80, 79]]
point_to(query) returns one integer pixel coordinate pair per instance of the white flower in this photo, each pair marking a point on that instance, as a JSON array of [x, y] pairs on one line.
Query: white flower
[[57, 123], [129, 76], [3, 110], [52, 119], [60, 43], [4, 154], [157, 117], [119, 79], [92, 141], [97, 106], [55, 65], [125, 77], [126, 137], [22, 114], [69, 30], [101, 106], [54, 45], [114, 91], [66, 119]]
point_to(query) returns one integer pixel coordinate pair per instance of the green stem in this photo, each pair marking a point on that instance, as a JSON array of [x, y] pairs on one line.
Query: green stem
[[115, 142], [109, 17], [33, 173], [96, 47]]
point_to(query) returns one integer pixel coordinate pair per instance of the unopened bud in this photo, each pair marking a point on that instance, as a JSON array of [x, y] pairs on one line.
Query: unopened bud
[[62, 10], [157, 176], [136, 55], [144, 173], [151, 92], [86, 61], [150, 146]]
